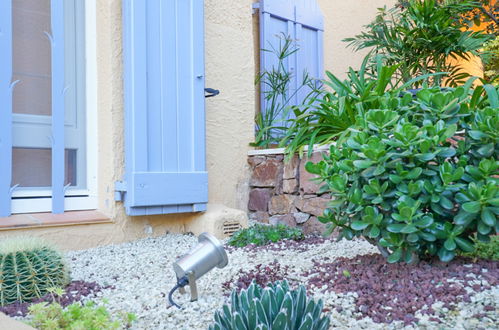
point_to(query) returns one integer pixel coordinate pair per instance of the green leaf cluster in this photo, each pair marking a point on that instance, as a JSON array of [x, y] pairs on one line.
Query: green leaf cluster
[[260, 234], [420, 180], [76, 317], [421, 37], [273, 307]]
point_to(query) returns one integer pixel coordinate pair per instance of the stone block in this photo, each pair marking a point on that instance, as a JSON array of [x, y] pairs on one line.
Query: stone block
[[255, 160], [282, 204], [313, 226], [259, 199], [290, 186], [314, 206], [307, 186], [266, 174], [259, 216], [301, 217], [286, 219], [291, 168]]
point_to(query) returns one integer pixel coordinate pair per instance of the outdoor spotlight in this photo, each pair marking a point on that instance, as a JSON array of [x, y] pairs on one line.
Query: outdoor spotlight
[[207, 254]]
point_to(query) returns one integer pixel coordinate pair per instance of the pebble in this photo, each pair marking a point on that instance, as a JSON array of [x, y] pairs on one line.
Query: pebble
[[141, 274]]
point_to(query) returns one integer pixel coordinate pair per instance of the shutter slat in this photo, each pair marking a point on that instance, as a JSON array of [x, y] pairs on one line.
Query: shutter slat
[[302, 21], [6, 111], [169, 176], [58, 93]]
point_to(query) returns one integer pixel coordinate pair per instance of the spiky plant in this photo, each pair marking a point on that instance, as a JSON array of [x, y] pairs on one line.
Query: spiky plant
[[272, 307], [29, 267]]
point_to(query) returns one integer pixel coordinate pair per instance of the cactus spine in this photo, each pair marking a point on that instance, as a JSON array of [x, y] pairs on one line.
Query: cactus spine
[[29, 267]]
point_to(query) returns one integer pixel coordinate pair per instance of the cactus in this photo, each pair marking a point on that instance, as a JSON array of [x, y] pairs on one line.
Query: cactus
[[273, 307], [29, 267]]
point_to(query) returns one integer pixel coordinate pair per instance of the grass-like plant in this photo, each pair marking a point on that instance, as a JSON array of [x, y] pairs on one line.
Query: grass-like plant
[[277, 93], [29, 267], [260, 234], [421, 180], [273, 307], [485, 250]]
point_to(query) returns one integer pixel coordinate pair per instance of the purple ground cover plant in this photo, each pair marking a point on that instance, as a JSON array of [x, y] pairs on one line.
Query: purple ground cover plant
[[74, 292], [388, 292]]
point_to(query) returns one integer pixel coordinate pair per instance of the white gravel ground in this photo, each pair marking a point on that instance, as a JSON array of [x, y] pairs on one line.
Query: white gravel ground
[[142, 275]]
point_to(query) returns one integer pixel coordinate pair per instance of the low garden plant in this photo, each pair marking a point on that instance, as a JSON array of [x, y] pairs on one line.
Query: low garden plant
[[29, 267], [260, 234], [273, 307], [485, 250], [420, 180], [76, 316]]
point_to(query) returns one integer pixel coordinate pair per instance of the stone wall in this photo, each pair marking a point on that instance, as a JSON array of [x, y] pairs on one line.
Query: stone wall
[[282, 192]]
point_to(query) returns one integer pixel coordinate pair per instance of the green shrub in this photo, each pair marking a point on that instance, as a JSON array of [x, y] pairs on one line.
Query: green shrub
[[420, 180], [490, 60], [421, 37], [29, 267], [486, 250], [333, 111], [260, 234], [273, 307], [76, 317]]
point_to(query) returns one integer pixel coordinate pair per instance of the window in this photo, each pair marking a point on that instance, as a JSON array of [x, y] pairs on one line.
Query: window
[[50, 126]]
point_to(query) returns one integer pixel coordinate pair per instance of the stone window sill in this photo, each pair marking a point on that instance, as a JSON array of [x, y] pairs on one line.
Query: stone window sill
[[40, 220]]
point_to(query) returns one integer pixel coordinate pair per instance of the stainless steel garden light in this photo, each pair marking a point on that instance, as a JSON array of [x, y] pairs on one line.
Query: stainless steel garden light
[[206, 255]]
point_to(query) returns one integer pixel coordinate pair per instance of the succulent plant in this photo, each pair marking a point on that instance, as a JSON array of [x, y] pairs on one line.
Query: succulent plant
[[29, 267], [272, 307]]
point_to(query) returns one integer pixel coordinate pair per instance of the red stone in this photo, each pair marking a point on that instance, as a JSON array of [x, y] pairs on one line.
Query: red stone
[[259, 199], [266, 174], [282, 204], [315, 206], [286, 219]]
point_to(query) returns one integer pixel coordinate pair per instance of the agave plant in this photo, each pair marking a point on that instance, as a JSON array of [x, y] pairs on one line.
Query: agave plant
[[272, 307]]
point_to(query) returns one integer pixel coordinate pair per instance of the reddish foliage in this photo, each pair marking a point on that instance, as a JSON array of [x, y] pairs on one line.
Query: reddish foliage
[[403, 289], [74, 292]]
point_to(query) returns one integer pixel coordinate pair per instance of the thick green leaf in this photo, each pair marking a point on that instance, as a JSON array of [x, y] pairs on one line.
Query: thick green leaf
[[446, 255], [395, 256], [409, 229], [483, 228], [395, 227], [449, 244], [464, 218], [488, 217], [359, 225], [362, 164], [465, 244], [374, 232], [472, 207], [413, 238]]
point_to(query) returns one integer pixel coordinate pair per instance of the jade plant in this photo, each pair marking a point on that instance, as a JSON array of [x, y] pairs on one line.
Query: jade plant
[[273, 307], [421, 180], [29, 268]]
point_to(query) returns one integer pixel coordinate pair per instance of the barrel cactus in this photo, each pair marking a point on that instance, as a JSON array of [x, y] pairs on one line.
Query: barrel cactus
[[29, 267], [272, 307]]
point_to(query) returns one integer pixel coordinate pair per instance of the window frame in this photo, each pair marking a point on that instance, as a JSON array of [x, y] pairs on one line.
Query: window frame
[[24, 201]]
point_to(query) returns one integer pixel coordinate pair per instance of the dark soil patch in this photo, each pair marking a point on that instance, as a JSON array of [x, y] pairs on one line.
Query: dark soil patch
[[74, 292], [388, 292]]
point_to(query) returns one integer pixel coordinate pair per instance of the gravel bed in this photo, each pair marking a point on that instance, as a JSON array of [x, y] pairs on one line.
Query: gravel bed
[[137, 277]]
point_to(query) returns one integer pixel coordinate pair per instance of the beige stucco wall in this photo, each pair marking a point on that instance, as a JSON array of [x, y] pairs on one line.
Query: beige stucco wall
[[231, 63], [343, 19]]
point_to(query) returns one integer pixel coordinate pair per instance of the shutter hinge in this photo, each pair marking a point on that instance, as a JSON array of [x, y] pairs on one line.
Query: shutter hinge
[[255, 7], [119, 191]]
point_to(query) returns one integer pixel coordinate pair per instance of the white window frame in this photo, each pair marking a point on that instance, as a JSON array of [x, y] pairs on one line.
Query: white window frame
[[82, 199]]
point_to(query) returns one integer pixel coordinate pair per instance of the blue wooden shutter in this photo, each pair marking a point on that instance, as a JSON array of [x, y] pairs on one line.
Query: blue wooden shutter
[[6, 107], [302, 21], [165, 168]]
